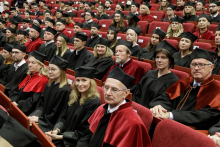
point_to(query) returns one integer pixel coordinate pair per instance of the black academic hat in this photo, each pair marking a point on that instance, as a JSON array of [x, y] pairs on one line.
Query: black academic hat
[[69, 3], [205, 15], [92, 3], [11, 29], [8, 47], [36, 28], [202, 53], [113, 29], [63, 2], [136, 4], [218, 28], [79, 24], [189, 36], [37, 55], [118, 74], [201, 1], [34, 4], [134, 17], [95, 25], [8, 12], [104, 42], [82, 2], [47, 6], [64, 37], [83, 71], [43, 1], [91, 12], [29, 12], [177, 19], [125, 43], [121, 5], [189, 4], [147, 4], [61, 11], [81, 36], [172, 6], [37, 19], [6, 5], [109, 1], [136, 30], [12, 9], [20, 47], [47, 11], [61, 20], [50, 20], [22, 32], [119, 12], [160, 32], [14, 22], [2, 21], [166, 45], [60, 62], [51, 30], [215, 2], [101, 4], [88, 3], [26, 20], [66, 14]]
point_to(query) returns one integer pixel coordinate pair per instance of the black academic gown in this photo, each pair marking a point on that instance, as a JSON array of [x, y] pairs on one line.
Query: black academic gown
[[216, 69], [113, 49], [151, 86], [76, 60], [74, 124], [52, 103], [135, 50], [105, 16], [4, 31], [42, 34], [49, 50], [190, 18], [71, 40], [101, 65], [1, 60], [185, 61], [71, 14], [87, 25], [66, 55], [3, 71], [91, 42], [14, 42], [145, 54], [215, 19], [38, 13], [17, 18], [2, 39], [215, 128]]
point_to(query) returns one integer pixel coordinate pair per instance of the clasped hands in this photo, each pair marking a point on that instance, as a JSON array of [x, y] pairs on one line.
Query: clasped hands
[[52, 135], [159, 111]]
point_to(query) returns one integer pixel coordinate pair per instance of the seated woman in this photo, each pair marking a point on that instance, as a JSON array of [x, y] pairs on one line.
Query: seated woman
[[101, 14], [112, 35], [21, 37], [54, 98], [63, 5], [163, 5], [27, 8], [131, 36], [59, 14], [157, 36], [200, 5], [203, 24], [118, 22], [145, 13], [132, 20], [28, 16], [14, 25], [81, 5], [176, 27], [102, 59], [155, 82], [62, 50], [73, 127], [7, 17], [186, 46], [69, 21], [189, 13], [10, 36], [119, 7], [31, 88]]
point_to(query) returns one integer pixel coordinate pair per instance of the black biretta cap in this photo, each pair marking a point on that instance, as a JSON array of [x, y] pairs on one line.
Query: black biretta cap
[[20, 47], [61, 20], [134, 17], [60, 62], [43, 1], [104, 42], [147, 4], [12, 9], [38, 56], [34, 4], [6, 5], [88, 3], [125, 43], [69, 3], [36, 28], [7, 12], [172, 6], [50, 20], [218, 28], [119, 12], [29, 12], [81, 36], [14, 22], [26, 20], [136, 30], [95, 25], [51, 30], [136, 4], [189, 4], [83, 71], [113, 29], [205, 16], [66, 15], [11, 29], [101, 4], [118, 74], [91, 12], [8, 47], [37, 19], [202, 53], [215, 2], [63, 2], [166, 45], [121, 5], [202, 1], [78, 24], [22, 32], [160, 32], [189, 36], [61, 11], [177, 19], [2, 21], [64, 37], [92, 3], [47, 11], [109, 1], [82, 2]]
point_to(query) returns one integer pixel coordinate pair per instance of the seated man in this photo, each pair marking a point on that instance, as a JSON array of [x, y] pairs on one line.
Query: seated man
[[200, 5], [69, 9], [77, 28], [123, 60], [213, 9], [170, 12], [79, 56], [192, 101], [134, 8], [15, 15], [180, 5], [49, 22], [116, 123], [3, 26], [25, 25], [35, 41], [216, 69], [88, 19], [60, 27], [36, 9], [91, 42], [189, 12]]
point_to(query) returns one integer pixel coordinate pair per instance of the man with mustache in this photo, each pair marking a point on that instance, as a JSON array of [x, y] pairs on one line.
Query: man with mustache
[[213, 9]]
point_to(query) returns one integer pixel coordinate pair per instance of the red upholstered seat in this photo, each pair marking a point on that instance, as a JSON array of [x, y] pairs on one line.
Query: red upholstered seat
[[202, 45], [113, 6], [53, 11], [122, 1], [180, 74], [105, 23], [173, 42], [70, 78], [121, 36], [158, 25], [169, 133], [101, 93], [198, 13], [95, 11], [213, 28], [87, 32], [52, 2], [188, 27], [143, 25], [109, 12], [142, 41], [158, 15], [95, 20], [70, 30], [80, 12], [144, 113], [179, 13], [144, 65], [56, 6], [76, 6], [78, 19], [102, 34], [126, 12], [155, 6]]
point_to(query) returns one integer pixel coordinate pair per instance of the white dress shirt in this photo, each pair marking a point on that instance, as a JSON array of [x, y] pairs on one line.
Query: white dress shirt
[[110, 110], [19, 64]]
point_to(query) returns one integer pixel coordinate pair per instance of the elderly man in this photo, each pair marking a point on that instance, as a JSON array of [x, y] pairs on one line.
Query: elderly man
[[91, 42], [60, 27], [193, 101], [15, 15], [124, 61], [77, 28], [116, 123], [35, 41], [213, 9], [88, 19], [170, 12]]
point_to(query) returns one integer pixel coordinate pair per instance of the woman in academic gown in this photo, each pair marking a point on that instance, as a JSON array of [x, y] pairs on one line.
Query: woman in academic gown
[[118, 21], [69, 21], [21, 37], [112, 35], [155, 82], [147, 52], [28, 16], [186, 46], [62, 50], [176, 27], [10, 36], [145, 13], [132, 20], [131, 36], [31, 88], [73, 127], [203, 31], [59, 14], [101, 14], [102, 59], [54, 98]]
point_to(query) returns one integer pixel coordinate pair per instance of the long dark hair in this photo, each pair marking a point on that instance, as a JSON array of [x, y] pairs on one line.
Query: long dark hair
[[167, 53]]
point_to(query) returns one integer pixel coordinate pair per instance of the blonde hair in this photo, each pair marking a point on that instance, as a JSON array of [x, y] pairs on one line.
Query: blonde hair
[[108, 52], [170, 31], [165, 7], [91, 93], [63, 79], [193, 12], [103, 10], [63, 48], [43, 70], [136, 36], [70, 21], [11, 39], [147, 9], [23, 41]]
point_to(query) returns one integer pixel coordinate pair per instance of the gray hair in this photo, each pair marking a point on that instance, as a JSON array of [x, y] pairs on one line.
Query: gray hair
[[35, 21], [128, 50]]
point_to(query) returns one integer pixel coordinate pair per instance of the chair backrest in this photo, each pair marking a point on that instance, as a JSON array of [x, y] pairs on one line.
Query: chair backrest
[[188, 27], [158, 25], [169, 133], [75, 6], [80, 12], [180, 74], [101, 93], [144, 65], [143, 41], [109, 13], [144, 113], [102, 34], [179, 13], [212, 28], [113, 6], [158, 15], [41, 136], [143, 25], [2, 88], [105, 23], [198, 13], [55, 6], [87, 32], [78, 19], [70, 30], [151, 62], [98, 82], [174, 43], [121, 36], [184, 69], [155, 6], [202, 45], [5, 101], [70, 78]]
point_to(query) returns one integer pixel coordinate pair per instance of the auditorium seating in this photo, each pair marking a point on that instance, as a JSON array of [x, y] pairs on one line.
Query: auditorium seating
[[102, 34], [101, 93], [158, 15], [202, 45], [188, 27], [143, 25], [180, 74], [121, 36], [173, 42], [158, 25], [142, 41], [105, 24], [144, 65], [78, 19], [213, 27], [5, 101], [87, 32]]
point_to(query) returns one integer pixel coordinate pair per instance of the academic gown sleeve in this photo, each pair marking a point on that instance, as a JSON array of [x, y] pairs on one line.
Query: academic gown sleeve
[[215, 128], [2, 40], [102, 68]]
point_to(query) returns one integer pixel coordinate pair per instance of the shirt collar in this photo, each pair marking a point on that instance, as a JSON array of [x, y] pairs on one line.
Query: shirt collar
[[196, 84], [124, 63], [110, 110], [46, 43], [69, 11], [90, 21], [135, 44], [136, 13], [19, 64], [27, 29], [213, 16]]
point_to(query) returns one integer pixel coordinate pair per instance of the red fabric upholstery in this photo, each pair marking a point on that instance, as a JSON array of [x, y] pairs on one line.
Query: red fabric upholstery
[[144, 65], [70, 30], [155, 6], [213, 28], [179, 13], [143, 41], [169, 133], [113, 6], [102, 34], [52, 2], [198, 13], [173, 42], [95, 11], [180, 74], [161, 25], [87, 32], [75, 6], [101, 92], [188, 27], [95, 20], [121, 36], [126, 12], [56, 6], [158, 15], [202, 45], [143, 25], [70, 78], [105, 23], [53, 11], [78, 19], [80, 12], [122, 1], [109, 13]]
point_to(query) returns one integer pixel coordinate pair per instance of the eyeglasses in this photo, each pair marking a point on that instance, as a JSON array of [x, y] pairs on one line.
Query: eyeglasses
[[200, 65], [15, 53], [113, 90]]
